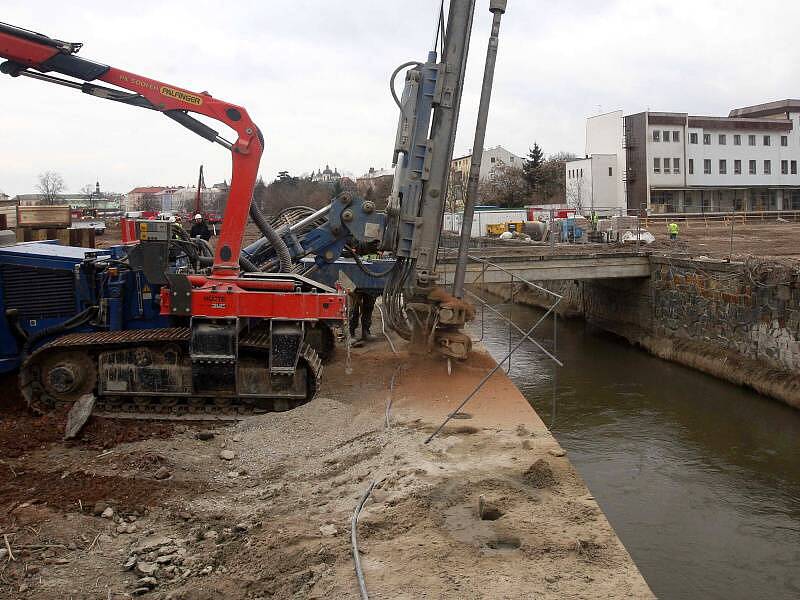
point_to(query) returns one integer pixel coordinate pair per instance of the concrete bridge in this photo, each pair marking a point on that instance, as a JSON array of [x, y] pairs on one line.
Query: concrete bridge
[[496, 268]]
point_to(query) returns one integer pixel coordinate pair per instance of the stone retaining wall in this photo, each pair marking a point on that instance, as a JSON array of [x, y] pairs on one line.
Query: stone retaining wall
[[728, 306], [739, 322]]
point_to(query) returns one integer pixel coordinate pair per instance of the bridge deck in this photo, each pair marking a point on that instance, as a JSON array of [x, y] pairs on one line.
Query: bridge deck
[[494, 268]]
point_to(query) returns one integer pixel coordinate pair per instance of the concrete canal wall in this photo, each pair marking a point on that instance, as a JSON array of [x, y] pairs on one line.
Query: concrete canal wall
[[736, 321]]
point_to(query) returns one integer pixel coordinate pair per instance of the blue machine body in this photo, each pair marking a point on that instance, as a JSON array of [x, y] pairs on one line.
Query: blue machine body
[[570, 230], [47, 284], [373, 282]]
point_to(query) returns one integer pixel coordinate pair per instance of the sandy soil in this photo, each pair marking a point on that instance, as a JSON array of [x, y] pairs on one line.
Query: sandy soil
[[181, 521], [769, 239]]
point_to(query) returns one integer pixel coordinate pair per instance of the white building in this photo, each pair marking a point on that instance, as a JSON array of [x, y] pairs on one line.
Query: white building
[[327, 176], [593, 184], [676, 162], [597, 182], [491, 160]]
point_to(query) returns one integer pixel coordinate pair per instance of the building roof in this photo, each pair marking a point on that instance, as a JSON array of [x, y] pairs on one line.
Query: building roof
[[498, 147], [730, 122], [148, 190], [375, 173], [779, 107]]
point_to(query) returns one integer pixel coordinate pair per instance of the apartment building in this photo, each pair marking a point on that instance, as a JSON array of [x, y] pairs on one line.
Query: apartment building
[[492, 159], [747, 161]]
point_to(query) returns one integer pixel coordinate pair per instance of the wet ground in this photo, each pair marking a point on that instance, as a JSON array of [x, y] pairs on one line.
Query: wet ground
[[700, 478]]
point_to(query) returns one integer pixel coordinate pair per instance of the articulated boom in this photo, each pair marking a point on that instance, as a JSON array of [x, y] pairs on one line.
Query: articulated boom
[[26, 50], [247, 335]]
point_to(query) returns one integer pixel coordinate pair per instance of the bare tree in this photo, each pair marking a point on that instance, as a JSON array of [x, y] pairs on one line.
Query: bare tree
[[87, 191], [376, 189], [574, 193], [50, 185], [507, 187], [291, 191]]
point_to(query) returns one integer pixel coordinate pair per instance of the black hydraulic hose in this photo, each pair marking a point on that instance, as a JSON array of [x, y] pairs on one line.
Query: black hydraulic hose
[[20, 335], [247, 265], [244, 263], [367, 270], [81, 318], [281, 249]]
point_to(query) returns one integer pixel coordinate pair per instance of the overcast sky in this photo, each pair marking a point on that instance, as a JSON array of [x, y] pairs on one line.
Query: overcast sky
[[313, 74]]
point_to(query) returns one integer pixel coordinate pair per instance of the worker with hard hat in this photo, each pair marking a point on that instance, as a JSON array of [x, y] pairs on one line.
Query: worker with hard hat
[[199, 228]]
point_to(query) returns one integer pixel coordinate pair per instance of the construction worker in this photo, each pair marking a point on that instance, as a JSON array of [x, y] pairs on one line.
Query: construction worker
[[199, 228], [363, 301], [672, 228], [363, 307]]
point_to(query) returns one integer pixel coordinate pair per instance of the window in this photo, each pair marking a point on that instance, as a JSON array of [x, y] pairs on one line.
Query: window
[[752, 166], [723, 139], [737, 167], [656, 135], [706, 139], [666, 136], [676, 136], [784, 140], [794, 167], [676, 165], [512, 159], [610, 172], [581, 172], [767, 140], [666, 165], [737, 140], [751, 140], [723, 167], [692, 138], [656, 165], [691, 166], [707, 166], [767, 167], [784, 167], [494, 159]]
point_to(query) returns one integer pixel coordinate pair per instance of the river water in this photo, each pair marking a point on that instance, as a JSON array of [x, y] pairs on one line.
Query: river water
[[700, 478]]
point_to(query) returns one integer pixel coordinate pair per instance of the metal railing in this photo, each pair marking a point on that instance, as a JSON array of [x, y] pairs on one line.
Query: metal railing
[[526, 335]]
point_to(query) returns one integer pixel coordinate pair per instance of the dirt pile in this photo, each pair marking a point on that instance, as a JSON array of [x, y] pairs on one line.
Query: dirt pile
[[540, 475]]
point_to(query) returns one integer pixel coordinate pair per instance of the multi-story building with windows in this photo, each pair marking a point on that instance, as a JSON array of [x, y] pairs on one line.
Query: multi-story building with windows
[[676, 162], [745, 161]]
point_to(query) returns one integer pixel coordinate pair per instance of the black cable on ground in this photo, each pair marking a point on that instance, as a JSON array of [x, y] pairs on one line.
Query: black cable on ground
[[362, 585]]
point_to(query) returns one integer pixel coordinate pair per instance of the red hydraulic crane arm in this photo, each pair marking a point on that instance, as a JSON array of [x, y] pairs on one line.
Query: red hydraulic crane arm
[[35, 55]]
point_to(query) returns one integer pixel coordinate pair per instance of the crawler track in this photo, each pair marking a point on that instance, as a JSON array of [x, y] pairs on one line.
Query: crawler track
[[59, 372]]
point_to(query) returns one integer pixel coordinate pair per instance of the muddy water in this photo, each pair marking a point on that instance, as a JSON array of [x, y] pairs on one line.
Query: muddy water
[[700, 479]]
